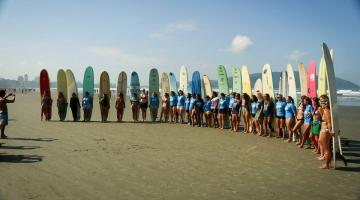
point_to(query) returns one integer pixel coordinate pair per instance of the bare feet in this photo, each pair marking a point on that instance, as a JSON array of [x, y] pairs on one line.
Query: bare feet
[[324, 166], [321, 158], [288, 140], [4, 137]]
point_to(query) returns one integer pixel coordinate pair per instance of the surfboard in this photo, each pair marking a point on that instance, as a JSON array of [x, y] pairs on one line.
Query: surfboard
[[88, 83], [183, 85], [223, 83], [332, 54], [104, 88], [196, 83], [291, 83], [207, 86], [258, 85], [333, 98], [236, 85], [45, 86], [172, 81], [72, 88], [135, 85], [303, 79], [267, 81], [311, 79], [122, 84], [61, 86], [153, 81], [284, 84], [245, 79], [165, 86]]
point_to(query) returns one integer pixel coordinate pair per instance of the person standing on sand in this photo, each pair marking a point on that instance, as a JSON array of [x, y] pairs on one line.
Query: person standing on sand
[[245, 109], [199, 110], [173, 104], [192, 109], [143, 104], [280, 116], [307, 120], [223, 107], [317, 112], [180, 106], [187, 108], [134, 100], [299, 120], [120, 106], [290, 113], [4, 117], [75, 105], [268, 115], [46, 103], [104, 102], [326, 131], [165, 108], [215, 109], [259, 117], [154, 106], [87, 103], [207, 111], [62, 105], [235, 112], [254, 107]]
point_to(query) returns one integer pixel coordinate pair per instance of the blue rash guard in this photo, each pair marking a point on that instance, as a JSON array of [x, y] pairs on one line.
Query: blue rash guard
[[181, 101], [207, 106], [268, 109], [254, 108], [307, 114], [290, 111], [192, 103], [280, 109], [222, 104], [154, 102], [231, 100], [187, 104], [173, 101]]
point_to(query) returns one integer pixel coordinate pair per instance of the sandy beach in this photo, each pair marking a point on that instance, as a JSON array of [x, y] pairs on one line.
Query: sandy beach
[[66, 160]]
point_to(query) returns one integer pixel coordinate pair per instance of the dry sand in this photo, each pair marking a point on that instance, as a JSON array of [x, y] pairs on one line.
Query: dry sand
[[66, 160]]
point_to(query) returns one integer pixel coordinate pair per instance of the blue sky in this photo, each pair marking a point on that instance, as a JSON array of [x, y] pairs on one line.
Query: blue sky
[[139, 35]]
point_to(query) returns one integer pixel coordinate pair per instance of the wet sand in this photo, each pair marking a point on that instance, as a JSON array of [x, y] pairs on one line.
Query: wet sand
[[66, 160]]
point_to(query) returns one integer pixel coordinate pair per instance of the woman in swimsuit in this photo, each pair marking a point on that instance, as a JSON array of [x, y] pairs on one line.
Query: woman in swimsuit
[[187, 108], [254, 102], [268, 114], [259, 116], [280, 116], [246, 112], [173, 104], [307, 120], [207, 111], [235, 111], [199, 110], [46, 103], [165, 108], [62, 105], [192, 109], [215, 109], [222, 110], [299, 120], [143, 103], [315, 124], [134, 100], [120, 106], [180, 106], [326, 131]]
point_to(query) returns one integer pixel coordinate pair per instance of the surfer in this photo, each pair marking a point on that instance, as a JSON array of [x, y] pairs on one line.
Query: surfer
[[259, 116], [290, 113], [268, 114], [307, 120], [165, 108], [4, 111], [46, 103], [280, 116], [173, 104], [104, 107], [134, 100], [87, 104], [180, 106], [143, 103], [246, 112], [326, 131], [75, 106], [199, 110], [222, 110], [235, 110], [317, 112], [207, 111], [187, 108], [299, 120], [192, 108], [154, 106], [215, 109], [254, 109], [120, 106], [62, 105]]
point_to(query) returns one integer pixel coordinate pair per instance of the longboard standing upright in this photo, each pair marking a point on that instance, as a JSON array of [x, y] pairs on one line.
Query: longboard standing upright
[[45, 87], [61, 86], [88, 87], [104, 89]]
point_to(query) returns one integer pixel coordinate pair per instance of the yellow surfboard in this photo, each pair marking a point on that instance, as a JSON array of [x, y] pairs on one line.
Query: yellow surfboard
[[246, 82]]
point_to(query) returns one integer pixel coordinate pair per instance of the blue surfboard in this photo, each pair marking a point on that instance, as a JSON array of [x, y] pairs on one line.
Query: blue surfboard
[[196, 83], [172, 81], [134, 85]]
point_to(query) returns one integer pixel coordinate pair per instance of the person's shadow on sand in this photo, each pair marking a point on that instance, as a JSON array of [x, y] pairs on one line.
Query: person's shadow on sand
[[5, 158], [19, 147], [33, 139]]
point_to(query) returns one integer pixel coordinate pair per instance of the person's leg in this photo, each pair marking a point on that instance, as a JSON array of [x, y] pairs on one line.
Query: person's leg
[[277, 121], [327, 151], [2, 127], [305, 134], [322, 145]]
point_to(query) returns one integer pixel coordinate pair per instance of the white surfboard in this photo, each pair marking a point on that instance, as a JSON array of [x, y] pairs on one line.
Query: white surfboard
[[333, 99], [291, 83], [267, 81], [258, 86], [183, 79]]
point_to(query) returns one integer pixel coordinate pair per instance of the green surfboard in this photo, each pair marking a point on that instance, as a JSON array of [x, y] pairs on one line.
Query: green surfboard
[[237, 82], [154, 82], [88, 83], [222, 80]]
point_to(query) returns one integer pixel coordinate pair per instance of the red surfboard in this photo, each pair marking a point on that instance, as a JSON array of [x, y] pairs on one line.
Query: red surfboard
[[45, 86], [311, 79]]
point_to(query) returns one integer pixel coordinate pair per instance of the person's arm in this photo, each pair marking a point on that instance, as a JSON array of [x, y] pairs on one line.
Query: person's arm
[[10, 101]]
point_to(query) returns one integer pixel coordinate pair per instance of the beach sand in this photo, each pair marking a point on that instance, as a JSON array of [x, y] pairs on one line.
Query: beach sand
[[66, 160]]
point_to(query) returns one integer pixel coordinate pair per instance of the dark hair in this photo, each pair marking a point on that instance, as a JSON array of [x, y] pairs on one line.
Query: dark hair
[[181, 92], [222, 95], [215, 94], [2, 93], [173, 93], [291, 99], [254, 98], [207, 97], [316, 100], [121, 95], [188, 95], [267, 97], [87, 93]]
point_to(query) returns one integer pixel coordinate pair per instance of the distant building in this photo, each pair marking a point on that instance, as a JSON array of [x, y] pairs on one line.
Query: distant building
[[20, 78], [26, 77]]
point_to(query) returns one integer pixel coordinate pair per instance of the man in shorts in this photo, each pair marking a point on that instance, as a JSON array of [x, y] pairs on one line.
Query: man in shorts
[[4, 111]]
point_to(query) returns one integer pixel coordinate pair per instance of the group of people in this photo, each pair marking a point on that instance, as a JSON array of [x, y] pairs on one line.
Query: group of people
[[262, 115]]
